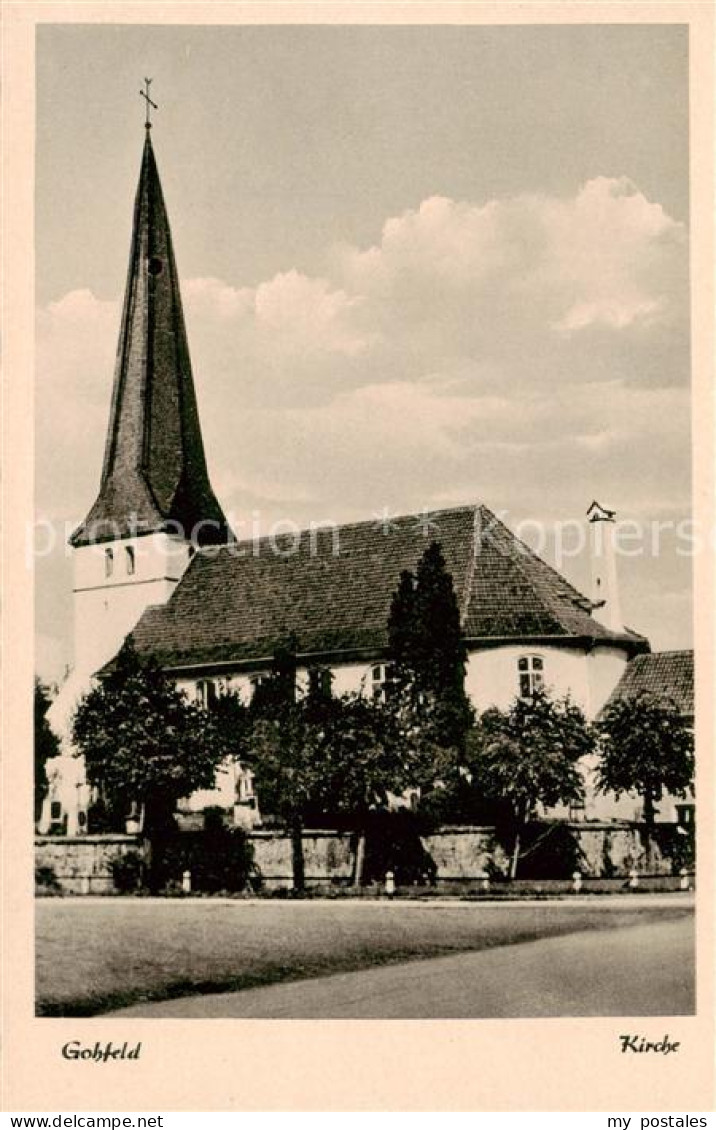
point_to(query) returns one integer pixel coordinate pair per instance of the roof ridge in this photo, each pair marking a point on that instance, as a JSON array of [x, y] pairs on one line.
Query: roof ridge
[[326, 526], [470, 568], [529, 552], [534, 583]]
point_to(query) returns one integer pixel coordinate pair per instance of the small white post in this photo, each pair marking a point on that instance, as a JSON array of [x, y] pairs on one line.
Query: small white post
[[186, 882], [85, 885], [684, 881], [485, 881], [577, 882], [390, 884], [633, 879]]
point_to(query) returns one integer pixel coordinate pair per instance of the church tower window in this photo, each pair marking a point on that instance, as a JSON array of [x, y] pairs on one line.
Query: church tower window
[[108, 562], [130, 561]]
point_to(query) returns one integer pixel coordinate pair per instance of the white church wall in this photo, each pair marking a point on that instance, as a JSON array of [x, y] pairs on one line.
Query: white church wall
[[240, 684], [346, 678], [112, 592], [605, 667], [629, 806], [224, 793], [492, 677], [351, 678], [66, 804]]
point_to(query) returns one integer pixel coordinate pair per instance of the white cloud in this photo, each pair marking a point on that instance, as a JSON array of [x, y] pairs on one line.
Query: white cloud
[[516, 324], [605, 256], [529, 352]]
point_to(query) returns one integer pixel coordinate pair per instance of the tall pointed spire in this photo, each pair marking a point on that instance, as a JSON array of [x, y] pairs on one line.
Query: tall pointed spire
[[154, 475]]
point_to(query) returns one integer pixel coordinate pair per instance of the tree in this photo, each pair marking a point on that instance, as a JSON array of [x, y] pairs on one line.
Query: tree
[[315, 753], [429, 655], [230, 720], [144, 743], [340, 757], [647, 747], [279, 752], [276, 691], [46, 745], [528, 755], [365, 759], [362, 753]]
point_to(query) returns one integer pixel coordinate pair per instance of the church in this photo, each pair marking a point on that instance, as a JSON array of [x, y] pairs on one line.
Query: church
[[155, 558]]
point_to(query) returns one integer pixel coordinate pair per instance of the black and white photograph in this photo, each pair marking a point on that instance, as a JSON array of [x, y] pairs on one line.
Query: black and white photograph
[[363, 537]]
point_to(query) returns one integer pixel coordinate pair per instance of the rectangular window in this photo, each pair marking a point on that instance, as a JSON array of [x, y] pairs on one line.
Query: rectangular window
[[206, 693], [257, 681], [530, 669], [382, 680], [244, 785], [320, 680], [685, 814]]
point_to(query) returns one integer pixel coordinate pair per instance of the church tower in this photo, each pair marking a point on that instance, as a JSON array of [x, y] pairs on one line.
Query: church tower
[[155, 503]]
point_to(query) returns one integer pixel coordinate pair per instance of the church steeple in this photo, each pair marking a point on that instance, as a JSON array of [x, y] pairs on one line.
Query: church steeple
[[154, 476]]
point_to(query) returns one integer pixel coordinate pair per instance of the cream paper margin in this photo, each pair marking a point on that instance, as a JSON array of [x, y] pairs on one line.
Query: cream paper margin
[[328, 1065]]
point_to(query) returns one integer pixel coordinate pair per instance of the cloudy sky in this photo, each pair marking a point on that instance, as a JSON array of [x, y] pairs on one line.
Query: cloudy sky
[[420, 266]]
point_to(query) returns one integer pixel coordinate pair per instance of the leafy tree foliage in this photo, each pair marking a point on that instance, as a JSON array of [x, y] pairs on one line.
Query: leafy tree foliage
[[316, 753], [527, 755], [144, 742], [230, 720], [46, 744], [647, 747], [276, 691], [279, 755], [429, 656]]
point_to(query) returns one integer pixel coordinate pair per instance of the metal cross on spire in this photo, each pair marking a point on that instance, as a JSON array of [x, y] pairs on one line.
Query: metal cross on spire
[[145, 95]]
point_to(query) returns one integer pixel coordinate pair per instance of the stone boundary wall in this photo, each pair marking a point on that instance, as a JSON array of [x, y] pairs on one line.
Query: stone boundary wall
[[466, 852], [462, 854], [328, 857], [82, 865]]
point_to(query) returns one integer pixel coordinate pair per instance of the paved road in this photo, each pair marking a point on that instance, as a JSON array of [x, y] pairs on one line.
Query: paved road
[[641, 970]]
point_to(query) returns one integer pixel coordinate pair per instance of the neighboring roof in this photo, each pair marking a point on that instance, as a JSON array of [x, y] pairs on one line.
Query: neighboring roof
[[666, 674], [239, 602], [154, 475]]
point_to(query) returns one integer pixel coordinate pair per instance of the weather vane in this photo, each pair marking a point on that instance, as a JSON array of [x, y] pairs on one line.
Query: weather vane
[[150, 104]]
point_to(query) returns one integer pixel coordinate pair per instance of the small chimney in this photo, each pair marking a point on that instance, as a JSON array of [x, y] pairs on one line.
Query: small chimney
[[605, 588]]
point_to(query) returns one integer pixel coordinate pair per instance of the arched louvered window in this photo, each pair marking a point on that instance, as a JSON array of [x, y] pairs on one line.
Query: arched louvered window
[[130, 560], [108, 562]]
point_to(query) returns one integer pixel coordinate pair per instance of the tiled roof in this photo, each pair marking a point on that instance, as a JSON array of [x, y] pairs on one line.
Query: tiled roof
[[666, 674], [154, 475], [238, 602]]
